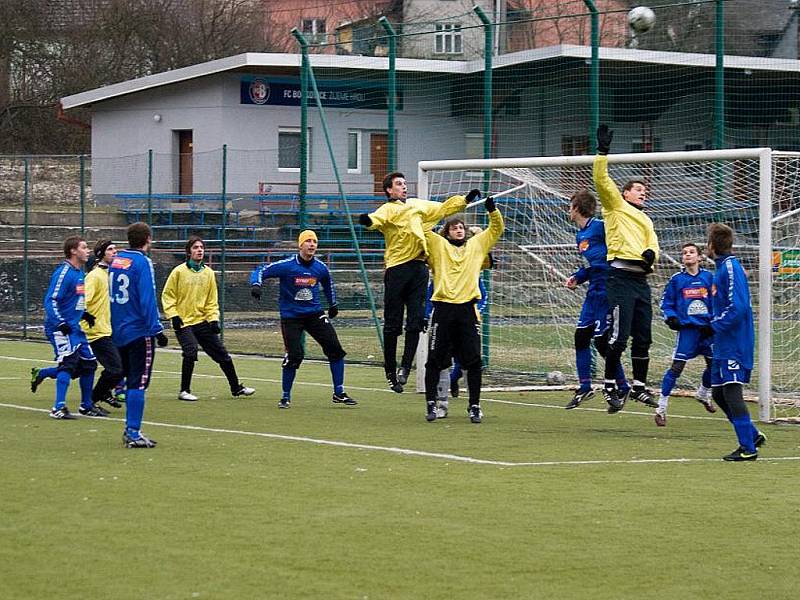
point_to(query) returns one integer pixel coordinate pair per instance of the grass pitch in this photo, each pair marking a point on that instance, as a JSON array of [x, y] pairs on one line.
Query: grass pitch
[[243, 500]]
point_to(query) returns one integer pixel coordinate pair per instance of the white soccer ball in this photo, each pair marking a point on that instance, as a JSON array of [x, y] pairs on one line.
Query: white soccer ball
[[556, 378], [641, 19]]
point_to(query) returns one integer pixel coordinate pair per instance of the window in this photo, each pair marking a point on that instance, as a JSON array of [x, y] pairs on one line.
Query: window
[[289, 149], [354, 152], [313, 30], [448, 38]]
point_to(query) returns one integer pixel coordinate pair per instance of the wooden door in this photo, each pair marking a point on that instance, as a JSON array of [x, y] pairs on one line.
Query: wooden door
[[185, 166], [378, 159]]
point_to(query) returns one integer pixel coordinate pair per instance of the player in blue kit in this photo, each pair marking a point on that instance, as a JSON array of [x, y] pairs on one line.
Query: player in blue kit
[[135, 326], [595, 319], [65, 307], [734, 336], [686, 305], [299, 303]]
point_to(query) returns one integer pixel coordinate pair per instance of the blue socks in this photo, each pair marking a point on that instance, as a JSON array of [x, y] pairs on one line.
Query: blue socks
[[457, 372], [668, 383], [287, 378], [62, 385], [86, 381], [134, 411], [745, 432], [337, 374], [49, 372], [583, 362]]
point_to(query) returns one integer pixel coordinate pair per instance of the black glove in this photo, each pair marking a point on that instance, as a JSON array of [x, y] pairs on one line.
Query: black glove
[[161, 339], [255, 291], [490, 206], [89, 318], [333, 311], [673, 323], [649, 257], [177, 322], [707, 331], [64, 328], [214, 327], [604, 137], [364, 219], [473, 195]]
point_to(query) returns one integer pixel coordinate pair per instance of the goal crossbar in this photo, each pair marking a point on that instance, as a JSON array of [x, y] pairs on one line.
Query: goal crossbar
[[762, 155]]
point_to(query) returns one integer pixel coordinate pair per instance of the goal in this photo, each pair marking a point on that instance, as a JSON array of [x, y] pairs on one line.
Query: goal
[[530, 327]]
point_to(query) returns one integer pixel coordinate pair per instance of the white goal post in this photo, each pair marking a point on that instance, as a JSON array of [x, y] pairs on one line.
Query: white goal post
[[677, 177]]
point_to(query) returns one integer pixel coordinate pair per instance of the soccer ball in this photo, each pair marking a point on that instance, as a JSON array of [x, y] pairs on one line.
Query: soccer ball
[[641, 19], [556, 378]]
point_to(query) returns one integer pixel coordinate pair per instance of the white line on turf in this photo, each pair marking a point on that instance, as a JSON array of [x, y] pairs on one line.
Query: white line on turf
[[409, 451]]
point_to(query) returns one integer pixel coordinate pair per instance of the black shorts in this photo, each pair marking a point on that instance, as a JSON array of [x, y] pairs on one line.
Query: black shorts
[[107, 354], [137, 362], [455, 331], [318, 327], [405, 287], [200, 335]]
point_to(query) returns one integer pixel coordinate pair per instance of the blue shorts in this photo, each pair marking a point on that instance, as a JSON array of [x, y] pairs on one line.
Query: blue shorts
[[595, 313], [72, 351], [690, 343], [728, 371]]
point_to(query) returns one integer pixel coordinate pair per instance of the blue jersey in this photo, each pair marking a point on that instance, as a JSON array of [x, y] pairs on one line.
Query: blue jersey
[[132, 291], [688, 298], [300, 282], [591, 242], [734, 333], [64, 301], [481, 305]]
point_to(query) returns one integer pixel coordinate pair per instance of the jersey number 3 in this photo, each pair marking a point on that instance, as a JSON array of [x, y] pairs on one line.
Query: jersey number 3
[[119, 289]]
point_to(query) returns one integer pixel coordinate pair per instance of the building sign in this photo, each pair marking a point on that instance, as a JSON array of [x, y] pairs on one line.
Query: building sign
[[786, 264], [285, 91]]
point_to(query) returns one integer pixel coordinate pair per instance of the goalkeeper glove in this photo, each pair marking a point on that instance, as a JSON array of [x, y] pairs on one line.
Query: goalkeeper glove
[[333, 311], [364, 220], [673, 323], [473, 194], [161, 339], [490, 206], [649, 257], [64, 328], [604, 137], [89, 318], [255, 291], [214, 327], [177, 322]]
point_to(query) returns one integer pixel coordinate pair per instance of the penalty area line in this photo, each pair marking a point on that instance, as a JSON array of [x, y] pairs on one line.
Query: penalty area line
[[409, 451]]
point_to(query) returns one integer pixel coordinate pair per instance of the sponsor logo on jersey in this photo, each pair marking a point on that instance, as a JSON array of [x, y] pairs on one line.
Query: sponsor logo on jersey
[[304, 295], [305, 281], [698, 292], [120, 262], [583, 246], [80, 290], [697, 307]]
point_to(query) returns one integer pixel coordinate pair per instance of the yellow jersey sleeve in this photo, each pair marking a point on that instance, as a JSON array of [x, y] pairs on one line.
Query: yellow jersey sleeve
[[169, 295], [211, 308]]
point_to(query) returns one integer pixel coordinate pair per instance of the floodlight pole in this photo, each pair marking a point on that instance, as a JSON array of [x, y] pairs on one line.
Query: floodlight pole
[[719, 78], [392, 92], [304, 67], [594, 76]]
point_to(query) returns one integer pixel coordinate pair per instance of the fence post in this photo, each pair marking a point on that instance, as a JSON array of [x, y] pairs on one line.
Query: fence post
[[304, 67], [25, 282], [488, 51], [719, 78], [150, 187], [222, 240], [82, 162], [392, 93], [594, 76]]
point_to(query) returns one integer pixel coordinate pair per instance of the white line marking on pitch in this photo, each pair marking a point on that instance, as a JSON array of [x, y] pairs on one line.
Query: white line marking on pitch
[[409, 451]]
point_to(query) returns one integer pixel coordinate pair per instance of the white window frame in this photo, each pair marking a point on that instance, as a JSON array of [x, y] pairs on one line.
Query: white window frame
[[315, 36], [308, 155], [359, 161], [448, 34]]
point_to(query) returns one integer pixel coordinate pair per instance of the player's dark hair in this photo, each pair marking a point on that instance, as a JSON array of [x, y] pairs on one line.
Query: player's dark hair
[[72, 243], [687, 244], [191, 242], [138, 234], [631, 182], [445, 231], [584, 202], [720, 236], [389, 179]]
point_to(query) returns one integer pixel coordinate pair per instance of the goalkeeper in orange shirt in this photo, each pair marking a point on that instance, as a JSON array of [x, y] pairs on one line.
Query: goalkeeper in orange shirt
[[404, 222]]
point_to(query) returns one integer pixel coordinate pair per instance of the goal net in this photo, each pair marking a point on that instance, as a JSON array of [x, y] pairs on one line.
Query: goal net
[[532, 315]]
